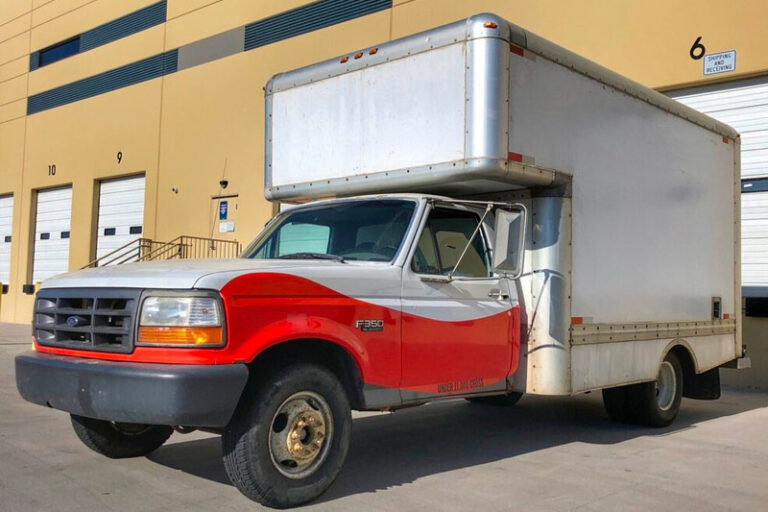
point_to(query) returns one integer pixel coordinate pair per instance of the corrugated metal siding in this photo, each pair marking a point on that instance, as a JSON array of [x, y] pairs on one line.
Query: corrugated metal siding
[[744, 105], [6, 225], [124, 26], [124, 76], [307, 18], [52, 227], [754, 239]]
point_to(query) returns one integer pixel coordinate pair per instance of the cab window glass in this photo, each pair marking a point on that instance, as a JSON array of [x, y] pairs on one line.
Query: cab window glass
[[442, 241]]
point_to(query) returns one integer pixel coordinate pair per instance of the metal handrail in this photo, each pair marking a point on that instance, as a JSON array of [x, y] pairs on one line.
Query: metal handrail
[[181, 247], [119, 253]]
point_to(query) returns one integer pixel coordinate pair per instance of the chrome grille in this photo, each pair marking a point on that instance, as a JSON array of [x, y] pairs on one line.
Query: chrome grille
[[86, 318]]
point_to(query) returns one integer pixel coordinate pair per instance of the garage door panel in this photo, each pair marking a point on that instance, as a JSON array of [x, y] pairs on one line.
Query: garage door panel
[[121, 208], [6, 227], [52, 217]]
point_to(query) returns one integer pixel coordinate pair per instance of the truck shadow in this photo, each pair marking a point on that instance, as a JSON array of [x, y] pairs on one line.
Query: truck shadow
[[389, 450]]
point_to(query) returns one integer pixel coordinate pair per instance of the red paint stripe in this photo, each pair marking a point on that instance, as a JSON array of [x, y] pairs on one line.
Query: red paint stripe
[[517, 50], [515, 157]]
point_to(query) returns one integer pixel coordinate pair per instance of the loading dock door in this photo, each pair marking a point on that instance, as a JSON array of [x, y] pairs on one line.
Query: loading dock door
[[121, 213], [6, 225], [52, 229], [743, 104]]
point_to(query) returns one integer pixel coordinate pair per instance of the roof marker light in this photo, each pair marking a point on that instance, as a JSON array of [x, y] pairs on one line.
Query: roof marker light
[[373, 51], [344, 59], [490, 24], [358, 55]]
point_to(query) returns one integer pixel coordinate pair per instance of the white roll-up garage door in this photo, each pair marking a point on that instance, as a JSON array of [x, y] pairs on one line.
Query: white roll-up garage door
[[6, 225], [744, 105], [121, 213], [52, 229]]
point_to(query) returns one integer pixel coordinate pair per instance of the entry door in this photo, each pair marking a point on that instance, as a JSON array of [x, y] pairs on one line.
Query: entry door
[[6, 225], [456, 336], [121, 213], [52, 229]]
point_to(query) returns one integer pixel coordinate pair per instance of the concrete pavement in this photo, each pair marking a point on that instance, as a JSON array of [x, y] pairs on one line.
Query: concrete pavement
[[545, 454]]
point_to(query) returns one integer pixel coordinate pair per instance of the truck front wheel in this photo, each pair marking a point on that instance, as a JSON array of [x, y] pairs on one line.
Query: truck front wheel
[[119, 440], [289, 438]]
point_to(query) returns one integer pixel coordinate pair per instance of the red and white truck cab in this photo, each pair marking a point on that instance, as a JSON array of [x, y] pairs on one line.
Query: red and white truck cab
[[479, 213]]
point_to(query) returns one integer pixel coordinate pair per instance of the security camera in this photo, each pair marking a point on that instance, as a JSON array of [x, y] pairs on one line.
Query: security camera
[[223, 183]]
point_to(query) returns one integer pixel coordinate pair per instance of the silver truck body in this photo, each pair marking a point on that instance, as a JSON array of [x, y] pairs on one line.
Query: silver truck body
[[633, 198]]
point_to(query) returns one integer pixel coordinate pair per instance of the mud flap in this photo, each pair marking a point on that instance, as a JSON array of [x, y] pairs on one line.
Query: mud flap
[[704, 386]]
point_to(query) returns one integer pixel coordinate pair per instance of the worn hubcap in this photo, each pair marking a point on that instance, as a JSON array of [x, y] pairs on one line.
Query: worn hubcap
[[666, 386], [300, 435]]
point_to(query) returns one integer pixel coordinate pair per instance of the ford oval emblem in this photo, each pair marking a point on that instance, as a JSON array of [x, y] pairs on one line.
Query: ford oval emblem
[[72, 321]]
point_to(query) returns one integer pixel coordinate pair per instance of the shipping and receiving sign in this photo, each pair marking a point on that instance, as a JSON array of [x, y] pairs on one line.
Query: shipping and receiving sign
[[723, 62]]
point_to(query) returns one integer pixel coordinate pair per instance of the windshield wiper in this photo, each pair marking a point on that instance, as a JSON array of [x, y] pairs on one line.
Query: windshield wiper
[[311, 256]]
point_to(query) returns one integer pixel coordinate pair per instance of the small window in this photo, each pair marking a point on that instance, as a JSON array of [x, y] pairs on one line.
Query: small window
[[135, 230], [59, 51], [442, 241], [8, 238], [110, 231], [45, 236], [64, 234]]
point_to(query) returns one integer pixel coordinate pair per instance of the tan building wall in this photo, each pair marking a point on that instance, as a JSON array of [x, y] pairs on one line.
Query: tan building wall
[[188, 129]]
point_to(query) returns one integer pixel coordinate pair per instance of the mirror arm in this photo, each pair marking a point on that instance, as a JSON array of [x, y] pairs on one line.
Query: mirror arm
[[488, 208]]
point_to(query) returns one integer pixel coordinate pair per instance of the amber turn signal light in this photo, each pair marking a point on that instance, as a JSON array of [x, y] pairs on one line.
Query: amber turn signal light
[[192, 336]]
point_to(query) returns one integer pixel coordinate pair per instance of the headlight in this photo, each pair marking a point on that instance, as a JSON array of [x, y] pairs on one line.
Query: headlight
[[187, 321]]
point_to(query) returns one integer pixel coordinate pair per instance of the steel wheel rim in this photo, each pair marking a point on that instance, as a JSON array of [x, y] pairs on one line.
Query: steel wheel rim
[[666, 386], [300, 434]]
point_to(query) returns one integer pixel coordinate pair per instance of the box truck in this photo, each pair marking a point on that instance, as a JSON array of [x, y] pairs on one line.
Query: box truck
[[478, 213]]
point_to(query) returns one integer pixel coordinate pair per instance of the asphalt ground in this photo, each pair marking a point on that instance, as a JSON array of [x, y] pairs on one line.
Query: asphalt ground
[[544, 454]]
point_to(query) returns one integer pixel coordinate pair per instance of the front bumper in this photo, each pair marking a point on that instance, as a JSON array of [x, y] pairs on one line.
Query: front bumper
[[158, 394]]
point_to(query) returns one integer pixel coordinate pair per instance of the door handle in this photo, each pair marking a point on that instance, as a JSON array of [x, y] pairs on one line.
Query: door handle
[[497, 294]]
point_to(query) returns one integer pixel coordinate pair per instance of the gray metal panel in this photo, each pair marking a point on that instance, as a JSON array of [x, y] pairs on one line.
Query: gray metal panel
[[124, 26], [136, 72], [211, 48], [307, 18]]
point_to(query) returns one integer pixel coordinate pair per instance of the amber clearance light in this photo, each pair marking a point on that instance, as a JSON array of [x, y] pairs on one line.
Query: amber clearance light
[[180, 336]]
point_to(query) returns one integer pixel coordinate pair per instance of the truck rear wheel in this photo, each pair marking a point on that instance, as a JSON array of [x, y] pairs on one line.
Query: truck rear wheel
[[288, 440], [655, 404], [506, 400], [119, 440]]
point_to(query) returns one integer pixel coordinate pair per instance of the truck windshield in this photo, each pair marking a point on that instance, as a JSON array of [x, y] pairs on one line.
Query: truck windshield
[[367, 230]]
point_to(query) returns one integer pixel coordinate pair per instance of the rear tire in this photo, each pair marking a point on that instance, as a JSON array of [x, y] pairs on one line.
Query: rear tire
[[119, 440], [507, 400], [654, 404], [289, 437]]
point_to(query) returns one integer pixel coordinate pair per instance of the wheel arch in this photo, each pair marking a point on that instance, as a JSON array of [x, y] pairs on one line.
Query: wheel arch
[[316, 350], [688, 362]]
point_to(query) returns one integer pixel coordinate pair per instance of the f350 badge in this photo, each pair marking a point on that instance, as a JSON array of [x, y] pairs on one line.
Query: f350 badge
[[369, 325]]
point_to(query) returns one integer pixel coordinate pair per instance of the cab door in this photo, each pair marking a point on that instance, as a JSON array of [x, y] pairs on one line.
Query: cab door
[[457, 334]]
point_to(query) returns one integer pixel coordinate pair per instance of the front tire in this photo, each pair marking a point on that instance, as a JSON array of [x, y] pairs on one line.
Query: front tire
[[289, 438], [119, 440]]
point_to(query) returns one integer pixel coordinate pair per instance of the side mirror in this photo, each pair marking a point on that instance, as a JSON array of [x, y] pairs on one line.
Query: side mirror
[[509, 246]]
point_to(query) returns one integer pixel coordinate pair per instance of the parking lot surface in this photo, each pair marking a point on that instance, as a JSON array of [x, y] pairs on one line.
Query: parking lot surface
[[544, 454]]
